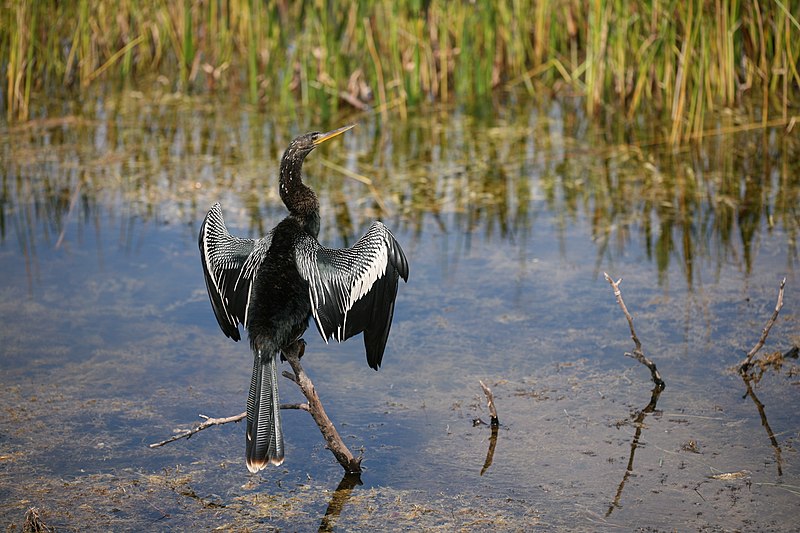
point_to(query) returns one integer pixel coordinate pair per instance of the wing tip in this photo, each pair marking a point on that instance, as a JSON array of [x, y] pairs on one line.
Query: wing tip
[[399, 260], [216, 211], [403, 271], [375, 349]]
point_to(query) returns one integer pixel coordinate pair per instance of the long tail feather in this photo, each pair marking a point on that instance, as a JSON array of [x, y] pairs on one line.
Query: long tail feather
[[264, 431]]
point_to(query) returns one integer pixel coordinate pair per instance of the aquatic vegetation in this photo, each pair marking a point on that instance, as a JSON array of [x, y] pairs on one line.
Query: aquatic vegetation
[[683, 59]]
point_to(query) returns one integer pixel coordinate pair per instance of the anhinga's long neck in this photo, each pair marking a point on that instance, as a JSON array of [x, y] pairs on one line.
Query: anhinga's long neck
[[298, 197]]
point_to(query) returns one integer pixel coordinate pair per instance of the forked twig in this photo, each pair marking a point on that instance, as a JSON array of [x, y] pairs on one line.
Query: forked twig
[[637, 354], [745, 365]]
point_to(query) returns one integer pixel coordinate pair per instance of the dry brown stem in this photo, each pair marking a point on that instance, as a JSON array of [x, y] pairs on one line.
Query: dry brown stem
[[490, 402], [637, 354]]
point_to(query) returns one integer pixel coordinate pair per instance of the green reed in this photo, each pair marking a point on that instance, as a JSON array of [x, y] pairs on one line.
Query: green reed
[[681, 59]]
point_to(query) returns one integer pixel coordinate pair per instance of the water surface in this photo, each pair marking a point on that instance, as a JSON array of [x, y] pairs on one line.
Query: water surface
[[508, 219]]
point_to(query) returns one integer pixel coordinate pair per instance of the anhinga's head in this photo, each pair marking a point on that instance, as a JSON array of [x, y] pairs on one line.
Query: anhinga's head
[[301, 146], [298, 198]]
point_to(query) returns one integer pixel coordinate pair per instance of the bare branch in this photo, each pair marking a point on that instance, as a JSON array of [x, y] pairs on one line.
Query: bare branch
[[745, 365], [200, 427], [335, 444], [490, 402], [185, 434], [637, 354]]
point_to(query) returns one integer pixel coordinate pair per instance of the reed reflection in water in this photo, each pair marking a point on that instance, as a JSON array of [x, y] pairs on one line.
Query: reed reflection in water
[[139, 163]]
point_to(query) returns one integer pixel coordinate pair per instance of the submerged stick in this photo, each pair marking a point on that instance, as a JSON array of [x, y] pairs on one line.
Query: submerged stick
[[490, 452], [339, 499], [637, 354], [376, 195], [639, 424], [764, 421], [745, 365]]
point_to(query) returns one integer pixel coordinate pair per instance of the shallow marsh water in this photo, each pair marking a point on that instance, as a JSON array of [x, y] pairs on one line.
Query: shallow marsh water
[[509, 220]]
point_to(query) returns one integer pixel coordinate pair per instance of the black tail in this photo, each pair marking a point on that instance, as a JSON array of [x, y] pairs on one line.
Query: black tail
[[264, 432]]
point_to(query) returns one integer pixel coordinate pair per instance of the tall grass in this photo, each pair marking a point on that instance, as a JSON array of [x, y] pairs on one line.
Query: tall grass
[[682, 59]]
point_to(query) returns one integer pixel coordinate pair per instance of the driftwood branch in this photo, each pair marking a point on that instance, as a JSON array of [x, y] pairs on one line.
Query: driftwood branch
[[637, 354], [187, 433], [745, 365], [350, 463]]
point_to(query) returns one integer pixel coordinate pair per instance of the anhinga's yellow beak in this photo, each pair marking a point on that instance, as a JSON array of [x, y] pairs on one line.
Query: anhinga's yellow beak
[[331, 134]]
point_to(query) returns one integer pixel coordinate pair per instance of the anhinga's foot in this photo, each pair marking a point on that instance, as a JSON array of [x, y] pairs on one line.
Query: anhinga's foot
[[298, 347]]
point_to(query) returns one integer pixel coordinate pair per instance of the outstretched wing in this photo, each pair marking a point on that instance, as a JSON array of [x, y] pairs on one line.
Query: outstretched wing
[[353, 289], [229, 265]]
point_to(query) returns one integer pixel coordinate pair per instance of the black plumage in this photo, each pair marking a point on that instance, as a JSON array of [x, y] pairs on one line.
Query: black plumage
[[275, 284]]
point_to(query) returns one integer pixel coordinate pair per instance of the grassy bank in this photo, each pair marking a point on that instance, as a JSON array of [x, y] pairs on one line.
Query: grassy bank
[[682, 59]]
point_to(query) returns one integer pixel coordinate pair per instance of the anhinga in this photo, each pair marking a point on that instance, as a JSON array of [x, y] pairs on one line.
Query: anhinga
[[273, 285]]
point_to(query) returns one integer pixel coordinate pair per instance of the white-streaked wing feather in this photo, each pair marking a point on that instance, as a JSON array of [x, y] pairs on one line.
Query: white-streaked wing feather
[[353, 289], [229, 265]]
